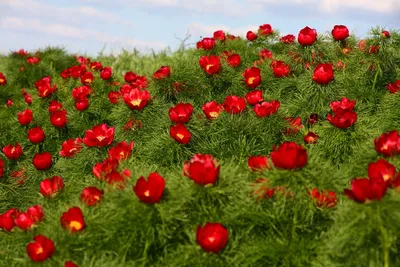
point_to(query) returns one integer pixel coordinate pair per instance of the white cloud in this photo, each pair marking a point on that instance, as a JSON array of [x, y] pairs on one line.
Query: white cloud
[[199, 29], [71, 13], [60, 30]]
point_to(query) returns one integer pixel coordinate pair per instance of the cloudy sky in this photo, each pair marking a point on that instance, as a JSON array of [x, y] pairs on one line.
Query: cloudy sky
[[88, 26]]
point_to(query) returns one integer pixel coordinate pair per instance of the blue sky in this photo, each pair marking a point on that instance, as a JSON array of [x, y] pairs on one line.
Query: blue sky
[[87, 26]]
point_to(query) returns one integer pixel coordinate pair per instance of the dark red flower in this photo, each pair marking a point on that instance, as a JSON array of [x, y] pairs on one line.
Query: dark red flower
[[265, 108], [294, 126], [42, 161], [311, 138], [343, 120], [3, 80], [73, 219], [307, 36], [210, 64], [257, 163], [162, 73], [313, 119], [288, 39], [280, 69], [393, 87], [51, 186], [340, 32], [234, 104], [44, 87], [202, 169], [25, 117], [95, 65], [91, 195], [362, 45], [40, 249], [219, 35], [385, 34], [289, 155], [136, 99], [233, 60], [81, 93], [212, 237], [55, 106], [7, 219], [265, 53], [180, 133], [71, 147], [343, 105], [100, 170], [265, 29], [207, 43], [9, 103], [323, 73], [251, 36], [100, 135], [35, 213], [106, 73], [388, 144], [59, 118], [121, 151], [36, 135], [150, 191], [364, 190], [1, 168], [24, 221], [28, 98], [20, 176], [323, 198], [254, 97], [82, 105], [13, 152], [212, 109], [181, 113], [252, 77], [381, 170], [87, 78], [33, 60], [114, 97], [130, 77]]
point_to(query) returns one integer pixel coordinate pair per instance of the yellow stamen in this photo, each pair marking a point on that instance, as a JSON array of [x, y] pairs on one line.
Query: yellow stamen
[[214, 114], [74, 225], [386, 177], [136, 102], [147, 193], [1, 80], [211, 239], [180, 136], [209, 66], [96, 197], [39, 251], [251, 80], [88, 81], [100, 138]]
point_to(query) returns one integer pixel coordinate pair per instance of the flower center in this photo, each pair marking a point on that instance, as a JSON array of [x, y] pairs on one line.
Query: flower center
[[136, 102], [211, 239], [251, 80], [147, 193], [88, 81], [386, 177], [214, 114], [180, 136], [39, 250], [1, 80], [74, 225], [209, 66]]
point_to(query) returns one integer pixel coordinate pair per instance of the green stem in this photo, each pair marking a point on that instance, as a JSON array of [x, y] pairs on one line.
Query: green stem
[[376, 76], [385, 239]]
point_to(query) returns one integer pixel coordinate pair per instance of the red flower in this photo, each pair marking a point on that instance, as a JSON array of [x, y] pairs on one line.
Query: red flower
[[35, 213], [82, 105], [36, 135], [73, 219], [393, 87], [44, 87], [265, 29], [207, 43], [294, 126], [289, 155], [1, 168], [136, 99], [212, 109], [251, 36], [13, 152], [20, 176], [311, 138], [55, 106], [71, 147], [95, 65], [162, 73], [33, 60], [343, 105], [70, 264], [130, 77], [181, 113], [87, 78], [59, 118], [212, 237], [288, 39], [106, 73], [117, 179], [340, 32], [219, 35], [307, 36], [364, 190], [28, 98], [3, 80], [24, 221], [343, 120], [210, 64], [254, 97], [180, 133], [9, 103], [100, 135], [150, 191], [388, 144], [121, 151], [265, 53], [42, 161], [266, 108], [233, 60], [91, 195], [385, 34], [21, 52], [114, 97], [381, 170], [202, 169], [25, 117], [234, 104], [257, 163], [51, 186], [252, 77], [323, 198], [81, 93], [323, 74], [7, 219], [100, 170], [40, 249], [280, 69]]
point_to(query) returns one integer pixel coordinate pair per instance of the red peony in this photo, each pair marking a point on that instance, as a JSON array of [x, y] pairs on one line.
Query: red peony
[[73, 219], [3, 80], [311, 138], [252, 77], [181, 113], [233, 60], [323, 198], [202, 169], [162, 73], [265, 53], [44, 88], [212, 237], [121, 151], [323, 73], [87, 78], [42, 161], [294, 126], [106, 73], [212, 109], [36, 135], [254, 97], [388, 144], [59, 118], [265, 29], [136, 99], [288, 39], [207, 43], [51, 186], [40, 249], [13, 152], [100, 135], [91, 195], [289, 155], [307, 36], [266, 109], [55, 106], [114, 97], [150, 191], [7, 219], [25, 117], [364, 190], [234, 104], [257, 163], [280, 69], [210, 64], [71, 147], [340, 32], [180, 133], [81, 93], [219, 35], [251, 36], [381, 170]]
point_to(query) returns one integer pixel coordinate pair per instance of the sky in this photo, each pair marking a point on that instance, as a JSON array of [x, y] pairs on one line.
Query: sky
[[90, 26]]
